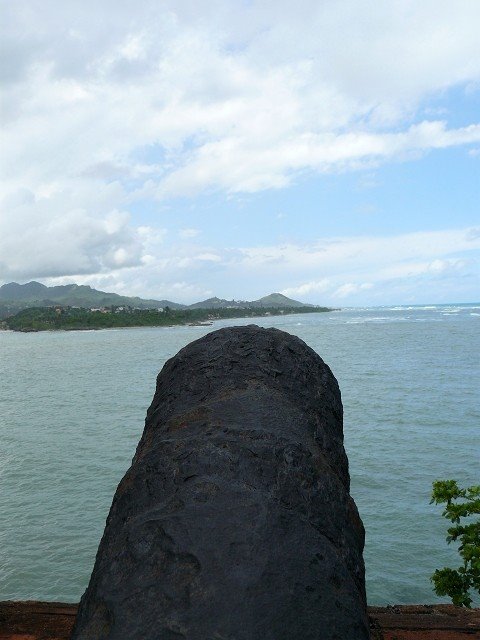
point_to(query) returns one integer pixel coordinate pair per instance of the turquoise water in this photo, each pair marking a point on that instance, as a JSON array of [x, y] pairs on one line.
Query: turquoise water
[[72, 408]]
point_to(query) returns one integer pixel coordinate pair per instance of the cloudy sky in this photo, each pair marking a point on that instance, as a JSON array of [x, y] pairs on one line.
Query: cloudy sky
[[326, 149]]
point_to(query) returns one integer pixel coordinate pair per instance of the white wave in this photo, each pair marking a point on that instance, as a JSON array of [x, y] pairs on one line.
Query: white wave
[[377, 319]]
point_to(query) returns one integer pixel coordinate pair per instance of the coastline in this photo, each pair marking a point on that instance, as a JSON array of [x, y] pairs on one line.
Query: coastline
[[36, 320], [34, 620]]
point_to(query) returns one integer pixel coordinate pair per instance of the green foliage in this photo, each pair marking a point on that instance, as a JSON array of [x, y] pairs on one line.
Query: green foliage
[[460, 504], [71, 318]]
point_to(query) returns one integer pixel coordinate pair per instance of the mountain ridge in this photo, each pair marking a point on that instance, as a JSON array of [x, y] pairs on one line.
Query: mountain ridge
[[15, 296]]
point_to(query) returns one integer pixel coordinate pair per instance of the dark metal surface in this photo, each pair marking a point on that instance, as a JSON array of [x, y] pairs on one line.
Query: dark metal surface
[[234, 521]]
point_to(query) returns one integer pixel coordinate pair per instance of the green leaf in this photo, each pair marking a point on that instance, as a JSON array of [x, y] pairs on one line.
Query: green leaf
[[461, 504]]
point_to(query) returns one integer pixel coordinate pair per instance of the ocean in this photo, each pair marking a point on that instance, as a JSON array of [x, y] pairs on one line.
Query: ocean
[[73, 404]]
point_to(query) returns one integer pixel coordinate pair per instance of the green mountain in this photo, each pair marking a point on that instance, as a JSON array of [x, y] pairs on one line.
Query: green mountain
[[278, 300], [218, 303], [272, 301], [30, 291], [14, 297]]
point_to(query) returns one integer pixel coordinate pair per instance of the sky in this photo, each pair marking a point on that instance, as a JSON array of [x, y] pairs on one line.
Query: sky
[[328, 150]]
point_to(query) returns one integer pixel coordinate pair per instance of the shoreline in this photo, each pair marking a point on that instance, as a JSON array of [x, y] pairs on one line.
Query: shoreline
[[205, 319], [36, 620]]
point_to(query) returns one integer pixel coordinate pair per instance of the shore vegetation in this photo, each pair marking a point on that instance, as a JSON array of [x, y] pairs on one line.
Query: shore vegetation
[[74, 318], [462, 507]]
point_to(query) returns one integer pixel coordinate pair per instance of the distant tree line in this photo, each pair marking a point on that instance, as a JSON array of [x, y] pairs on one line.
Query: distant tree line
[[73, 318]]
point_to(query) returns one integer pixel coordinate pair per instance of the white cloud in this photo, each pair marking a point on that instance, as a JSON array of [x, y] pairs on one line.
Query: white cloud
[[350, 288], [365, 269], [65, 233], [208, 257], [427, 266], [307, 288], [188, 233], [109, 104], [362, 253], [234, 97], [239, 164]]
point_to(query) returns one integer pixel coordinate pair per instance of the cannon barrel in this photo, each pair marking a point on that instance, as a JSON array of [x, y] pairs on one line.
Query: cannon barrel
[[234, 521]]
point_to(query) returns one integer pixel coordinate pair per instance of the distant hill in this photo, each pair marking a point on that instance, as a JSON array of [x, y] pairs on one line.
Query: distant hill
[[14, 297], [278, 300], [274, 300], [30, 291], [218, 303]]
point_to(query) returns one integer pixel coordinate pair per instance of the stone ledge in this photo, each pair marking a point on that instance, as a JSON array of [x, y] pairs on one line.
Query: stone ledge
[[33, 620]]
